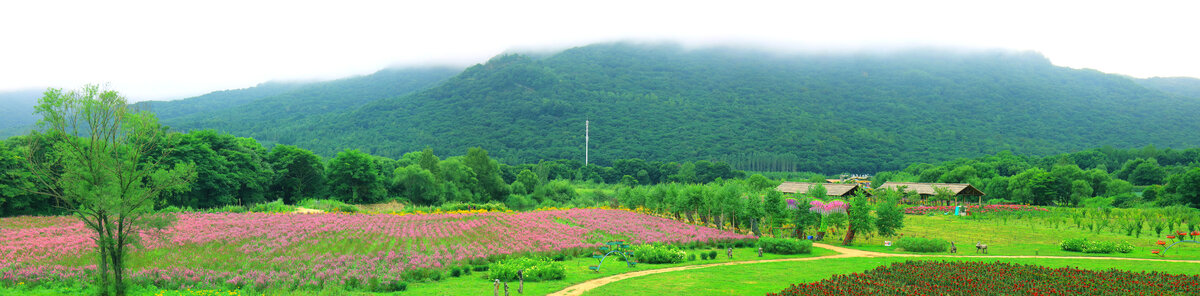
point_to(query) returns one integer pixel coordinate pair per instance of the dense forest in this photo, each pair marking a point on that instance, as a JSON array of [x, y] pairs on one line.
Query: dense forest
[[827, 113], [1101, 177]]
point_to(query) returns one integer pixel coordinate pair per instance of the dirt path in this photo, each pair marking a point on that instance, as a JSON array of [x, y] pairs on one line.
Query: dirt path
[[304, 210], [579, 289]]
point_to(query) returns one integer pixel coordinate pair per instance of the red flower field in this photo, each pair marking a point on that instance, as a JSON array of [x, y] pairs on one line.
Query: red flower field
[[980, 278]]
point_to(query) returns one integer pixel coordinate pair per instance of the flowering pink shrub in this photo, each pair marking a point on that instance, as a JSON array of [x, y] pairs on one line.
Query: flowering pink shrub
[[833, 206], [308, 251], [971, 209]]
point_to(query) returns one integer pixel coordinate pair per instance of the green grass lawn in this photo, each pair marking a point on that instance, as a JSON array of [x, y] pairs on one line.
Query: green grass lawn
[[1014, 237], [578, 272], [759, 279], [475, 284]]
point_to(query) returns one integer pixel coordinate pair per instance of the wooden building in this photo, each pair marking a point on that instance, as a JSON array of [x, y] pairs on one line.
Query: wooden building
[[957, 190], [831, 189]]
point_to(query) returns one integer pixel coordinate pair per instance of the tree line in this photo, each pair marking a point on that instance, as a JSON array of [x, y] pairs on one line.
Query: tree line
[[241, 171], [1095, 177]]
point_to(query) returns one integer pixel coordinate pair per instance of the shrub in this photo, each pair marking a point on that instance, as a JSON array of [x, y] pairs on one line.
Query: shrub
[[691, 257], [1073, 245], [479, 268], [657, 254], [923, 245], [535, 269], [455, 272], [329, 205], [712, 254], [785, 246], [703, 256], [1095, 247], [276, 206], [458, 206], [228, 209], [1099, 247], [1124, 247]]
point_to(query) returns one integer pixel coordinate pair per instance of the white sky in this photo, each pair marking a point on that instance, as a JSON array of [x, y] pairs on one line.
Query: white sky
[[173, 49]]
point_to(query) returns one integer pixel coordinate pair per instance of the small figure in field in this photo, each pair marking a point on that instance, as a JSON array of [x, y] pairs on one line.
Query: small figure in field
[[953, 248], [520, 282], [729, 252], [505, 288], [759, 251], [496, 289], [979, 247]]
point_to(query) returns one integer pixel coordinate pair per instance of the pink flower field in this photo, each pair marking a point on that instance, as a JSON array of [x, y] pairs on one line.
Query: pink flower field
[[299, 251]]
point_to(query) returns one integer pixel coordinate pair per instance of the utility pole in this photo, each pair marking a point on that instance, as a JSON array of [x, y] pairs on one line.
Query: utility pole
[[586, 140]]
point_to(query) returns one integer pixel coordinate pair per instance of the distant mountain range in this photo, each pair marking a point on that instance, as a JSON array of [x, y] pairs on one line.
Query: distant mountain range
[[852, 112]]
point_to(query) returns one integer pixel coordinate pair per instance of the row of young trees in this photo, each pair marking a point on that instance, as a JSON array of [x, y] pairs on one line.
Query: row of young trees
[[1096, 177], [754, 203]]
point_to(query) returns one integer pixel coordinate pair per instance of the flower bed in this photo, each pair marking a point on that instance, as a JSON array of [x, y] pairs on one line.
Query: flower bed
[[971, 209], [295, 251], [980, 278]]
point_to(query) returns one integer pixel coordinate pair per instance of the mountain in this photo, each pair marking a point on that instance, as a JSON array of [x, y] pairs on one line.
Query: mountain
[[262, 110], [16, 111], [840, 112], [1180, 86], [217, 101]]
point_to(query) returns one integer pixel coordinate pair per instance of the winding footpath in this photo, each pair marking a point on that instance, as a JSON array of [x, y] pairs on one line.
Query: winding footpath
[[579, 289]]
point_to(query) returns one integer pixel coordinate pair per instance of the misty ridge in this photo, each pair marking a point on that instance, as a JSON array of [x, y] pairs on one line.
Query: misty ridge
[[801, 109]]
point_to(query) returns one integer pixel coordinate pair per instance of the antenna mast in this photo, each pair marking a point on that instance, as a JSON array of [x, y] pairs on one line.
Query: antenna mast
[[586, 140]]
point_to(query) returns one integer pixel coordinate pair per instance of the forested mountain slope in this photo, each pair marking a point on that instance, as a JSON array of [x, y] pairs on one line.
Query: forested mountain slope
[[217, 100], [757, 110], [1181, 86], [16, 111], [261, 117]]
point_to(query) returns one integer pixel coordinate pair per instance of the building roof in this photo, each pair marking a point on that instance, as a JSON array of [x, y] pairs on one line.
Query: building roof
[[927, 188], [830, 188]]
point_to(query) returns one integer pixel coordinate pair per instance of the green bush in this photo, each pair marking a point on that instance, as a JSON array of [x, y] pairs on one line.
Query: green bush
[[785, 246], [1095, 247], [535, 269], [458, 206], [657, 254], [1124, 247], [923, 245], [329, 205], [228, 209], [1073, 245], [276, 206], [1099, 247], [691, 257], [712, 254]]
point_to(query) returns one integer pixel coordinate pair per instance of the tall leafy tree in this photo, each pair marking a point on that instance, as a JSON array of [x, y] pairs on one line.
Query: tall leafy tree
[[754, 212], [890, 217], [418, 185], [487, 172], [353, 178], [529, 179], [1033, 186], [1186, 187], [104, 170], [299, 174], [858, 216]]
